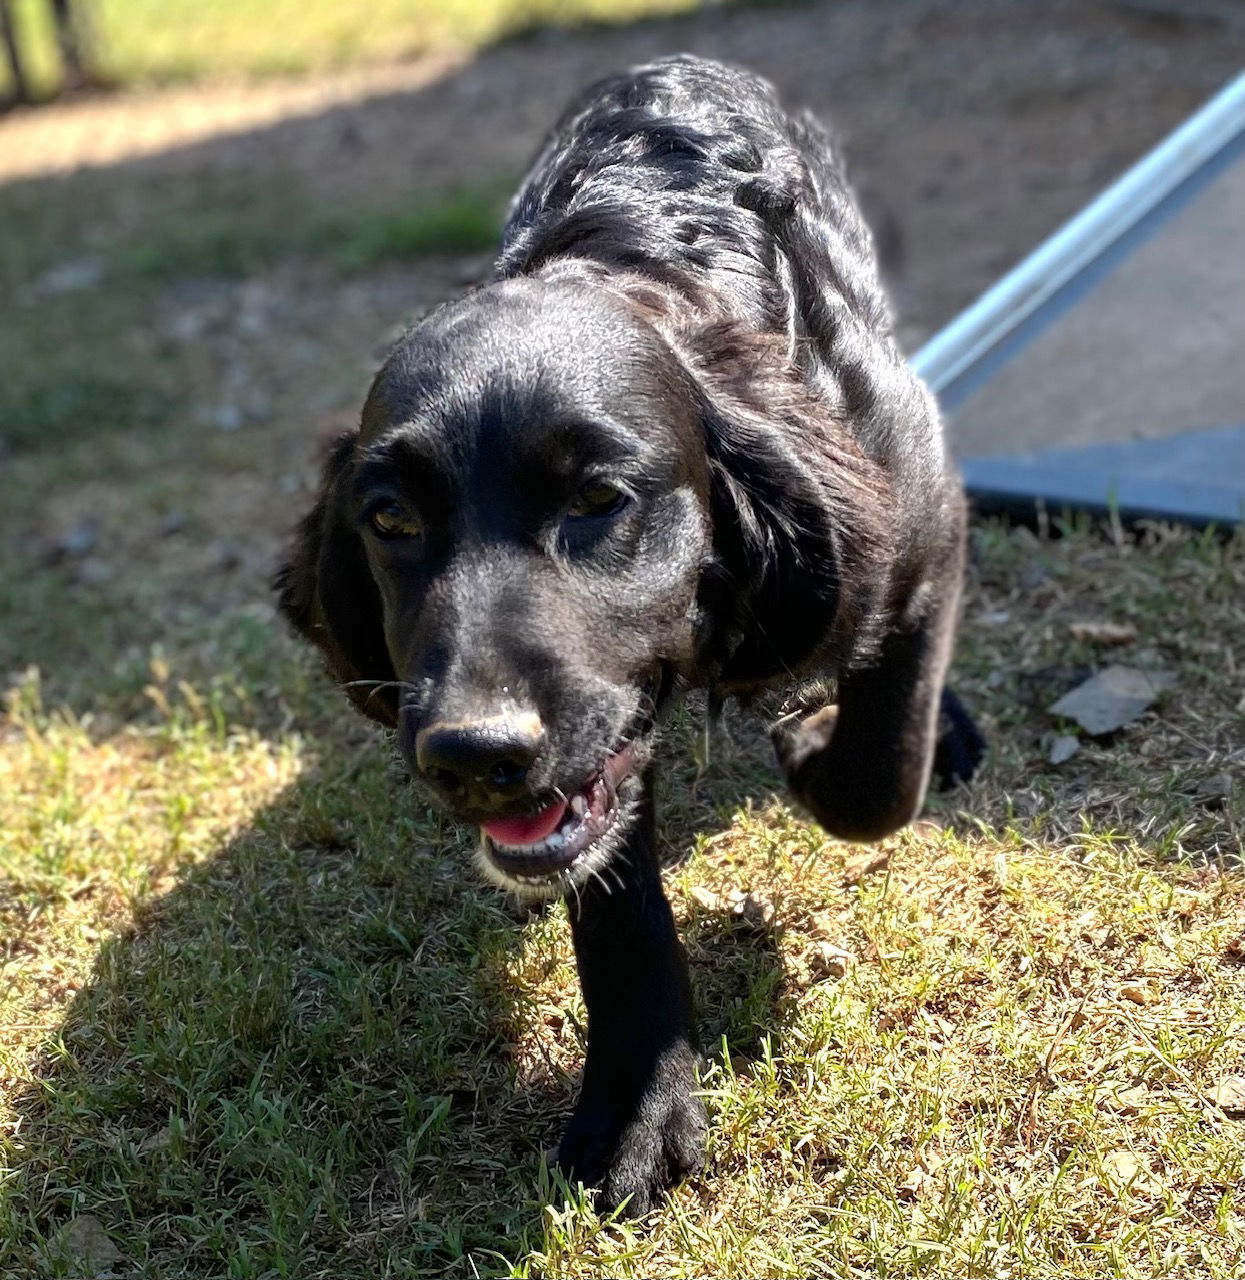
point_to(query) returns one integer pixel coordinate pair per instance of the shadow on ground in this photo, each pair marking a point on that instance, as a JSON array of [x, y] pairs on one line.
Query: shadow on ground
[[325, 1043]]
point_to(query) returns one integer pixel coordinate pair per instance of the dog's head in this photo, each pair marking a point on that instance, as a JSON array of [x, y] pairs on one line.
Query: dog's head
[[540, 531]]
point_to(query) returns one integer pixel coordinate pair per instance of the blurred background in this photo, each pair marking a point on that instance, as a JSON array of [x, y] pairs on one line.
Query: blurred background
[[214, 217]]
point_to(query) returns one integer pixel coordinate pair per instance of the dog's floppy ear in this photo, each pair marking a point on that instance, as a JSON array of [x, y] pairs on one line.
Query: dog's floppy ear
[[326, 590], [800, 537]]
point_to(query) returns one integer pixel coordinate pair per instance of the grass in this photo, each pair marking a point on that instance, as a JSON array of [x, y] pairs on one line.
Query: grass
[[257, 1018], [153, 248], [159, 41]]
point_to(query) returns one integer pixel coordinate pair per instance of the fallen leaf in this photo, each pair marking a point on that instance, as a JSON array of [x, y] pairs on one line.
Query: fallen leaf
[[1111, 699], [1104, 633], [829, 961], [1064, 747], [862, 864], [1229, 1096], [1125, 1168], [84, 1240]]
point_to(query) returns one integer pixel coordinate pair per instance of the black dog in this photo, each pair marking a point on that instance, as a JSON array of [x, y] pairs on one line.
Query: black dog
[[670, 444]]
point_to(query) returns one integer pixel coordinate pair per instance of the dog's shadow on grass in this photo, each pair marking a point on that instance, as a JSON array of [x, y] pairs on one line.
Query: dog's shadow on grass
[[310, 1049]]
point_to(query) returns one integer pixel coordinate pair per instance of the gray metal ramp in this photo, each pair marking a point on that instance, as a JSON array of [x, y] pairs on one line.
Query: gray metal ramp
[[1107, 371]]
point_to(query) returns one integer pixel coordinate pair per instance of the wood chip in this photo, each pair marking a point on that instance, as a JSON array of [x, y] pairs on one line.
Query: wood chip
[[1103, 633], [1113, 698]]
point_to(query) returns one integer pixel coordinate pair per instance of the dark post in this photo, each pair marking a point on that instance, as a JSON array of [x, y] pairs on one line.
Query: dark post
[[8, 33]]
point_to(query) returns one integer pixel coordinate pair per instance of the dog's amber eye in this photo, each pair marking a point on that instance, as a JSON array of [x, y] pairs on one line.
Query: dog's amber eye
[[597, 499], [392, 520]]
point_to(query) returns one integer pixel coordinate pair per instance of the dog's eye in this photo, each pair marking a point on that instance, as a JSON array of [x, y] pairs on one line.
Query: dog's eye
[[597, 499], [393, 520]]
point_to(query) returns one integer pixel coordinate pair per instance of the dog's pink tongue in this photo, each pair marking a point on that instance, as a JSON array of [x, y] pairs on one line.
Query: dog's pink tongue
[[521, 831]]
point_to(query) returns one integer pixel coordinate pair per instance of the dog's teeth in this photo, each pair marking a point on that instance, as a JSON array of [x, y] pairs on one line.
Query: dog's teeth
[[579, 806]]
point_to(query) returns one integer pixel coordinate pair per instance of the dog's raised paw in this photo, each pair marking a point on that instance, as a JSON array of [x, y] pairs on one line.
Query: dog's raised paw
[[795, 739]]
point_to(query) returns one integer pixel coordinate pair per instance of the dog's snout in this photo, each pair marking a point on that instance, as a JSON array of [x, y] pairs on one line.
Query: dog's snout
[[480, 761]]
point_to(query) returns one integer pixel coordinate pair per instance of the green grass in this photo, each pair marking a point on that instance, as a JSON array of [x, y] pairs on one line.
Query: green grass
[[259, 1019], [64, 373], [158, 41]]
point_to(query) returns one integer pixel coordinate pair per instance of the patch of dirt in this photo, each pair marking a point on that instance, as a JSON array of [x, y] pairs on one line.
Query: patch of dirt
[[973, 127]]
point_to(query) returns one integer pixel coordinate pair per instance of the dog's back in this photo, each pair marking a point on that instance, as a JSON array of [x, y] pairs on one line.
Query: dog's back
[[690, 173]]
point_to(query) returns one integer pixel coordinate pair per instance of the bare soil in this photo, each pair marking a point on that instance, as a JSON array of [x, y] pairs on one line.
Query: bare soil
[[973, 127]]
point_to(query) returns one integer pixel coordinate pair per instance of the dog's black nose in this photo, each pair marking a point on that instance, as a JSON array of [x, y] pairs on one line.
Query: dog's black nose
[[480, 762]]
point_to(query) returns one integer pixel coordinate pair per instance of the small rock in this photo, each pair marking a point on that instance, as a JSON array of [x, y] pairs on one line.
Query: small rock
[[173, 522], [1229, 1096], [71, 277], [1064, 747], [1113, 698], [1103, 633], [705, 897], [750, 908], [1214, 792], [225, 555], [79, 541], [84, 1241], [227, 417]]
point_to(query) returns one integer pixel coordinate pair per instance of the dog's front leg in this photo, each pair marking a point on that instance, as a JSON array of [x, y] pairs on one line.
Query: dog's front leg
[[637, 1128], [860, 766]]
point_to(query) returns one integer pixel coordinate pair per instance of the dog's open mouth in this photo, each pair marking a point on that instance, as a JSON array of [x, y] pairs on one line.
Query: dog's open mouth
[[540, 847]]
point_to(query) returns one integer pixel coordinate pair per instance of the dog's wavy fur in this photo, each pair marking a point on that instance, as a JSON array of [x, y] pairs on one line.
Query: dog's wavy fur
[[721, 232]]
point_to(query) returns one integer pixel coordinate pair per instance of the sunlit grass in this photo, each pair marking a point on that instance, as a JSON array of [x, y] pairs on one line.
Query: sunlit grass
[[258, 1018]]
